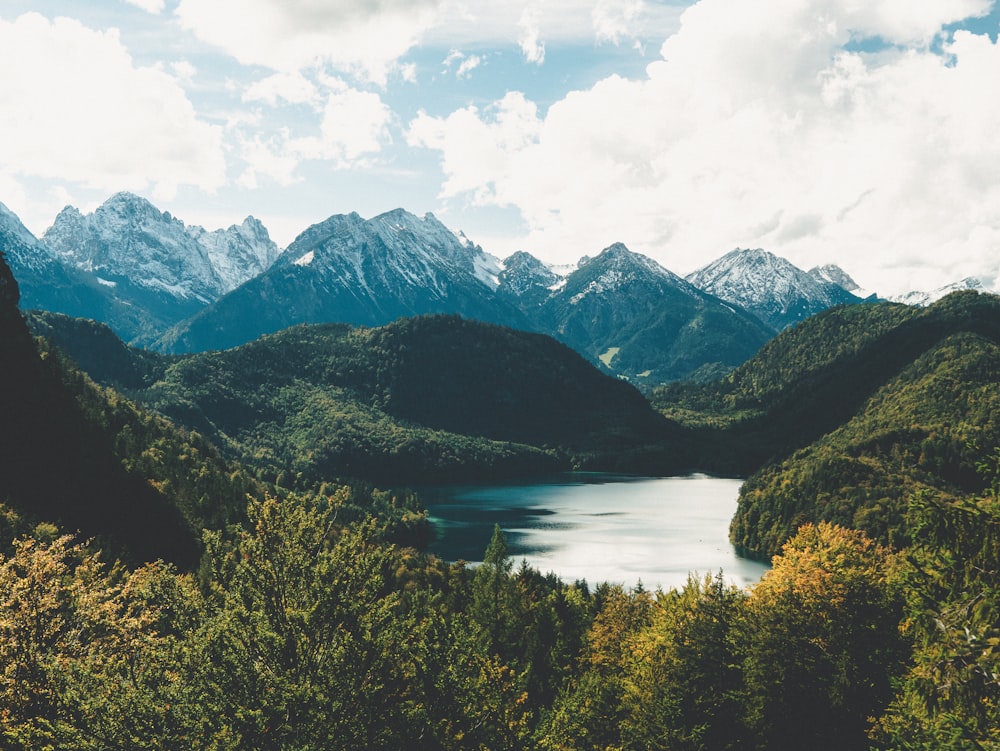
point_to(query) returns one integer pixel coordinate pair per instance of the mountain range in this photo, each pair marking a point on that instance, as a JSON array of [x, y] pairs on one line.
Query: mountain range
[[176, 288]]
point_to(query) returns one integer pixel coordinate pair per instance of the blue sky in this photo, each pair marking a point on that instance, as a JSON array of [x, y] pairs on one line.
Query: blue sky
[[862, 134]]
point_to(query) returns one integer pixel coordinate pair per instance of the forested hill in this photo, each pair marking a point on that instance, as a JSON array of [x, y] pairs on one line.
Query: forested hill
[[854, 411], [80, 456], [429, 398]]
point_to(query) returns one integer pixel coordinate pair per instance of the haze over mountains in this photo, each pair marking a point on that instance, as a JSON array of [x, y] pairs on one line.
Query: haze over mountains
[[175, 288]]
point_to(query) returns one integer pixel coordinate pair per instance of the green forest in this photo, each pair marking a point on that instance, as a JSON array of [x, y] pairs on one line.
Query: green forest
[[192, 557]]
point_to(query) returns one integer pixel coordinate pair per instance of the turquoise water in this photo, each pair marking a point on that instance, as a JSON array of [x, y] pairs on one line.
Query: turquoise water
[[599, 527]]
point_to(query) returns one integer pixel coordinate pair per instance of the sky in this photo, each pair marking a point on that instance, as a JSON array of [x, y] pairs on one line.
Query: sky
[[857, 132]]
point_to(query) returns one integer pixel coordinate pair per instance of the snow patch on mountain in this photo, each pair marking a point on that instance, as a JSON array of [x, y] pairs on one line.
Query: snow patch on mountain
[[831, 273], [619, 267], [769, 286], [127, 238], [10, 225], [923, 299], [306, 259]]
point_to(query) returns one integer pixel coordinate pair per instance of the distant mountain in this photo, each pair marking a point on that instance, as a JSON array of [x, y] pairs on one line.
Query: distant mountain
[[923, 299], [639, 320], [46, 283], [769, 286], [153, 263], [362, 272], [527, 281], [831, 273]]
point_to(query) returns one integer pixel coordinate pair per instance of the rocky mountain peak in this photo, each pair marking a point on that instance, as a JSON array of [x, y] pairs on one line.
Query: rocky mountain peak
[[769, 286], [128, 240]]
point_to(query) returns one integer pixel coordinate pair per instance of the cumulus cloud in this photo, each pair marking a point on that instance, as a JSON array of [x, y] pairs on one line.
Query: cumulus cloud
[[367, 37], [76, 108], [353, 129], [760, 127], [478, 148], [531, 24], [355, 124]]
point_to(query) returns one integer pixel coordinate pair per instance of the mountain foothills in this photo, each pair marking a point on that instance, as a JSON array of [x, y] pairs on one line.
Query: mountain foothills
[[426, 399], [174, 288], [855, 412], [296, 607]]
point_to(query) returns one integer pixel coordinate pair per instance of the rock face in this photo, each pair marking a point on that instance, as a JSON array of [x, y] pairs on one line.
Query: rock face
[[143, 269], [527, 281], [769, 286], [129, 238], [46, 283], [364, 272]]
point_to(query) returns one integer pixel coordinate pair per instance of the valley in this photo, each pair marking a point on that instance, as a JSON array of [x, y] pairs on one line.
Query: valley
[[284, 460]]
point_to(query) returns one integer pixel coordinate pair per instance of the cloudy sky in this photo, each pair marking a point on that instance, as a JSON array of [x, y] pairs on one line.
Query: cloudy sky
[[860, 132]]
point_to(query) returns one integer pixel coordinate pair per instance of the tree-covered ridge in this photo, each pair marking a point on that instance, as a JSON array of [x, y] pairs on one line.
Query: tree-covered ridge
[[924, 431], [844, 416], [430, 398]]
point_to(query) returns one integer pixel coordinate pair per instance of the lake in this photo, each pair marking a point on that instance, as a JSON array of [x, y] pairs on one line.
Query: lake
[[599, 527]]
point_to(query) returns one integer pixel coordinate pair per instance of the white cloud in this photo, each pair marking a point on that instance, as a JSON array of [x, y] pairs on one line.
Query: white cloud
[[150, 6], [616, 19], [293, 88], [468, 65], [184, 71], [478, 148], [530, 35], [759, 129], [366, 37], [77, 109], [504, 22], [355, 125], [353, 129], [465, 64]]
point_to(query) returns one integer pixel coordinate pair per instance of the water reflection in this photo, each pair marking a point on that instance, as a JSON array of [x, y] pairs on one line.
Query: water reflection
[[599, 527]]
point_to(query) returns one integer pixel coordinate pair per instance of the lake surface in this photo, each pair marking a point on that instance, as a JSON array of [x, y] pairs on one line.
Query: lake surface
[[599, 527]]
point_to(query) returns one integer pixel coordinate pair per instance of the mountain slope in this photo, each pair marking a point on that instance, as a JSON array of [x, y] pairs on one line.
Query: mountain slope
[[356, 271], [851, 412], [153, 263], [46, 283], [768, 286], [625, 311], [429, 398], [88, 460]]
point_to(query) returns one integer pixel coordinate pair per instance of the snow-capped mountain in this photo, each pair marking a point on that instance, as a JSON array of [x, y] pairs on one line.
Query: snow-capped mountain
[[639, 320], [351, 270], [923, 299], [127, 239], [527, 280], [769, 286], [239, 253], [831, 273], [47, 283]]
